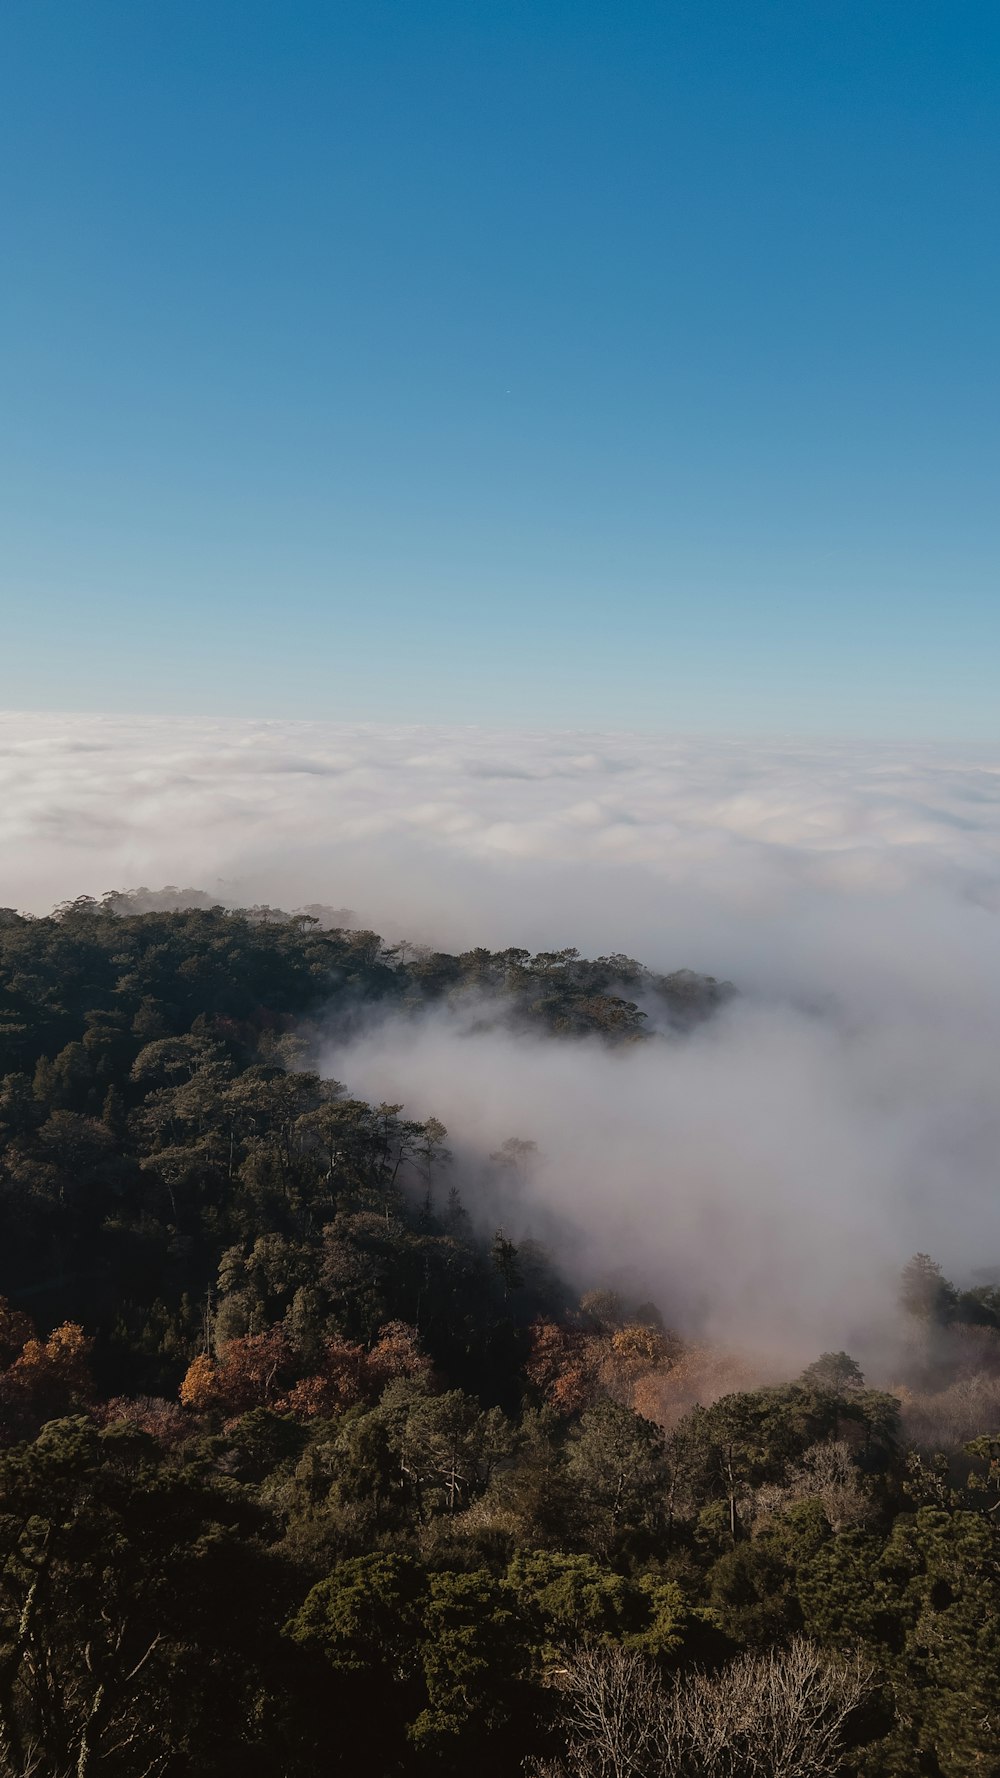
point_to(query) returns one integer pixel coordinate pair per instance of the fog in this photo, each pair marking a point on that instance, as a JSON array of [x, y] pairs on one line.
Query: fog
[[763, 1178], [768, 1172]]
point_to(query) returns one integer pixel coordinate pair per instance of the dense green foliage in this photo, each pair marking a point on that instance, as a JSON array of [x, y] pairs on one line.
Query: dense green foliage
[[303, 1474]]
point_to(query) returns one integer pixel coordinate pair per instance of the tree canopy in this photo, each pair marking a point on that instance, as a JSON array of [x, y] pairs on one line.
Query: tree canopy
[[304, 1468]]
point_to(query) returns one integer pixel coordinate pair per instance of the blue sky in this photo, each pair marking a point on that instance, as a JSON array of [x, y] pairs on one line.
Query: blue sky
[[544, 363]]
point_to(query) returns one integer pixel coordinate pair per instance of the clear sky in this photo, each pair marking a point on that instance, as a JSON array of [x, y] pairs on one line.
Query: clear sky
[[530, 361]]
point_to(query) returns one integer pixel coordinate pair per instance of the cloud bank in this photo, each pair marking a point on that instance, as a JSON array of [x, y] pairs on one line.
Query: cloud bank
[[769, 1171], [316, 809]]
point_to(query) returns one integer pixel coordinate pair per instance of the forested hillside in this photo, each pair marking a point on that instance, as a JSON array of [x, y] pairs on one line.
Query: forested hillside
[[306, 1470]]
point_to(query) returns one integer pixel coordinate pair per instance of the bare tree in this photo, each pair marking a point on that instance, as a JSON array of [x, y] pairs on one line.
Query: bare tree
[[613, 1706], [775, 1715], [827, 1473]]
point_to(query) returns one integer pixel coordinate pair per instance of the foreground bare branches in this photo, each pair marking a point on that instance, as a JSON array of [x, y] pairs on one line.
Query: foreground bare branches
[[776, 1715]]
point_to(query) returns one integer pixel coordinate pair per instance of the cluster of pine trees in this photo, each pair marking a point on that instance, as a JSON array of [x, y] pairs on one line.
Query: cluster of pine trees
[[302, 1473]]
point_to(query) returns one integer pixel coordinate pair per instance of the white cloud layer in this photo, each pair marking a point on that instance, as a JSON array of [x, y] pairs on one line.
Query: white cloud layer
[[774, 1167], [313, 809]]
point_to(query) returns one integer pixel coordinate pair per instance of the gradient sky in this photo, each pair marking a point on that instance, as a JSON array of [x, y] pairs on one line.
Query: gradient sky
[[530, 362]]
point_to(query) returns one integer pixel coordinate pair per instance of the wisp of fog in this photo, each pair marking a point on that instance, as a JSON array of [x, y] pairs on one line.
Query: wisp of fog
[[766, 1173]]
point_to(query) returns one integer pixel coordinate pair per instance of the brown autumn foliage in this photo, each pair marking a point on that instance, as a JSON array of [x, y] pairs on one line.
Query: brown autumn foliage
[[349, 1374], [199, 1389], [41, 1379], [339, 1383], [637, 1364], [573, 1368], [257, 1370], [396, 1353], [698, 1376], [559, 1366], [631, 1355], [163, 1420], [252, 1372]]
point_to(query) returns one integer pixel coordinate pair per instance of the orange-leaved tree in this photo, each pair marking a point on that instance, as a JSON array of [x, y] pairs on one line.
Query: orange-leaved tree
[[258, 1370], [41, 1379], [252, 1372]]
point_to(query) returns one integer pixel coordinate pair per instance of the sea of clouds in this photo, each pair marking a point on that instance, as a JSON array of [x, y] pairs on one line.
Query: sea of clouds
[[771, 1171]]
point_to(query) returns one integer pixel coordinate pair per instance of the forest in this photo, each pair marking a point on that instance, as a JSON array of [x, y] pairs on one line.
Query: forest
[[307, 1469]]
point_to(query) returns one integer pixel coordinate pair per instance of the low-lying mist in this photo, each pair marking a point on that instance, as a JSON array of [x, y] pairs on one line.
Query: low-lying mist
[[763, 1177]]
